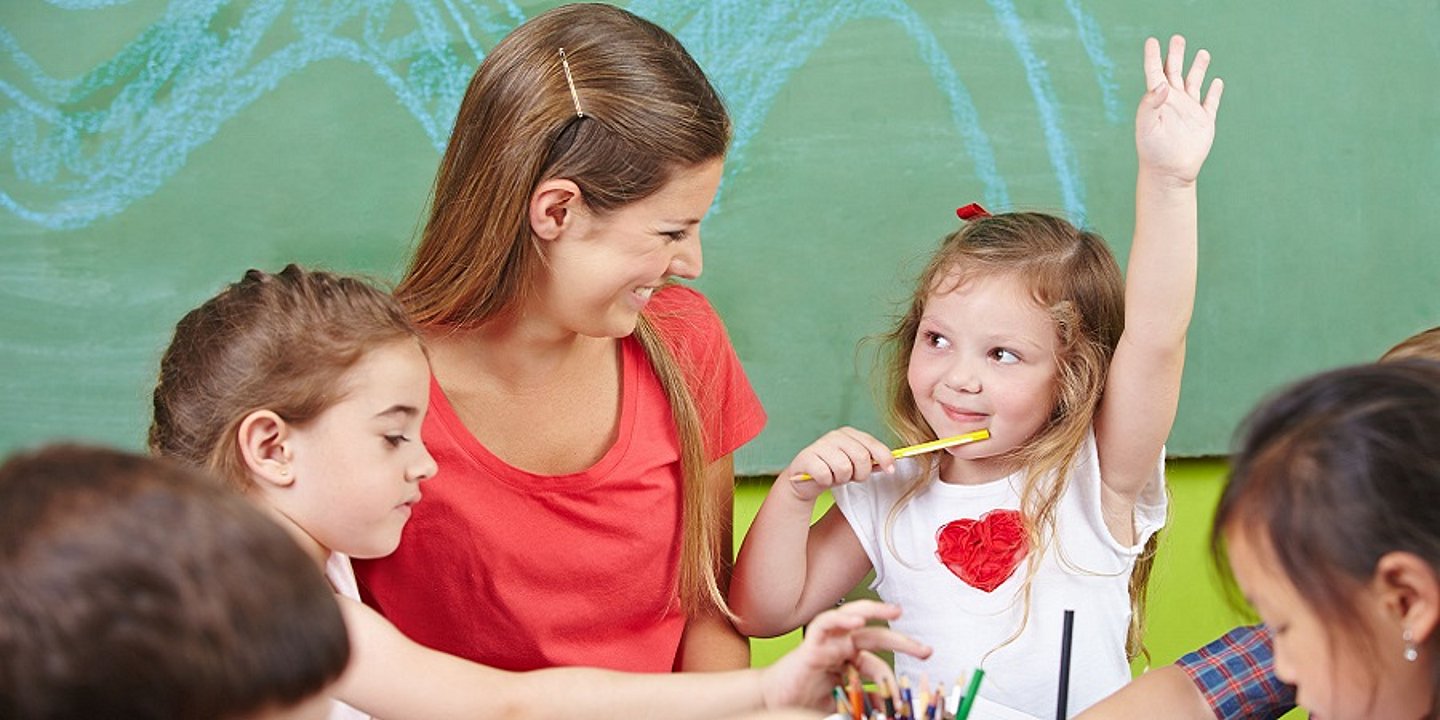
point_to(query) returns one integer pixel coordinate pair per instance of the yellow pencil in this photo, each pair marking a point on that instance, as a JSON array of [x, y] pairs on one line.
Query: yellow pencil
[[926, 447]]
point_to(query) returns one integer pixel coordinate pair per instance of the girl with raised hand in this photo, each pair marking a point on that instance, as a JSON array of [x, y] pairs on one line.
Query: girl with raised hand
[[1020, 326]]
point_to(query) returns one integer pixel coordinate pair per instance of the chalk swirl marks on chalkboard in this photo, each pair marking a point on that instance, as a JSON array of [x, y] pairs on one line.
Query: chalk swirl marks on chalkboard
[[85, 148]]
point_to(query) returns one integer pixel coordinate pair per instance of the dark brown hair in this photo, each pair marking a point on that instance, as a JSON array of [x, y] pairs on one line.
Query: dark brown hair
[[280, 342], [1074, 278], [1334, 472], [131, 587], [648, 112]]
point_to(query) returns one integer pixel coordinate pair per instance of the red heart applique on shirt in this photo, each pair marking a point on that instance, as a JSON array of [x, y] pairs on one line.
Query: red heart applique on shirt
[[984, 553]]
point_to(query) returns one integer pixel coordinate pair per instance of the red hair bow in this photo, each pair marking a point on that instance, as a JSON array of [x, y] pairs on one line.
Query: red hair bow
[[972, 211]]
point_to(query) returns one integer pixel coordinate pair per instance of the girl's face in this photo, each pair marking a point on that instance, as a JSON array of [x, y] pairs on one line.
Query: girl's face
[[358, 466], [984, 357], [603, 273], [1333, 679]]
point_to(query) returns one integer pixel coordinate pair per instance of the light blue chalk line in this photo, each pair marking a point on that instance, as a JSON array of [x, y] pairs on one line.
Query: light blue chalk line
[[183, 82], [86, 4], [1094, 42], [1061, 157], [756, 50]]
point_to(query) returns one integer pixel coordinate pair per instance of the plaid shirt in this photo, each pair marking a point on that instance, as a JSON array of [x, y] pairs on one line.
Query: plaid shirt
[[1236, 674]]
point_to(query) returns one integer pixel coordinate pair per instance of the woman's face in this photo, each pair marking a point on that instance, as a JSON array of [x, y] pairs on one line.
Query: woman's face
[[1334, 679], [602, 272]]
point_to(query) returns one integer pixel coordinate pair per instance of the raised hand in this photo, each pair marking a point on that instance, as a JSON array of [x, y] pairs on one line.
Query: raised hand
[[1174, 127], [834, 640], [839, 456]]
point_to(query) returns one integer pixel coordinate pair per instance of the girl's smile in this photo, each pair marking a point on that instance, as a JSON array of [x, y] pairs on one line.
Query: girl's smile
[[984, 357]]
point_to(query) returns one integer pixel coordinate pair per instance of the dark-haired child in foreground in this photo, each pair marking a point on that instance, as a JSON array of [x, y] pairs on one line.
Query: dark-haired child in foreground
[[133, 588], [1234, 676]]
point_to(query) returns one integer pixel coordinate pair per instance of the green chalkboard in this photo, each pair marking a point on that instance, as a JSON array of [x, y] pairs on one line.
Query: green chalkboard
[[151, 150]]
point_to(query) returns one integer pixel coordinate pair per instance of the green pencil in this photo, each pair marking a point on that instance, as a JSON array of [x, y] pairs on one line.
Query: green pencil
[[969, 698]]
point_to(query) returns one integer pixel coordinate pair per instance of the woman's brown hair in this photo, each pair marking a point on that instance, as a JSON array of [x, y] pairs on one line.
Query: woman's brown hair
[[648, 111]]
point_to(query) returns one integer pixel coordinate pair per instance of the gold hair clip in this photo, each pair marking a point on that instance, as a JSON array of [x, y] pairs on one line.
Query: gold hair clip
[[565, 64]]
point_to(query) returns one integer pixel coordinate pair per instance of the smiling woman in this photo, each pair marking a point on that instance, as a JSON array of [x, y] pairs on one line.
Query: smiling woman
[[581, 515]]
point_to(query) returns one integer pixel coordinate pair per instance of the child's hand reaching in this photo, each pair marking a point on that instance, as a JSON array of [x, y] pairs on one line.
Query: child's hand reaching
[[834, 640], [1174, 127], [838, 457]]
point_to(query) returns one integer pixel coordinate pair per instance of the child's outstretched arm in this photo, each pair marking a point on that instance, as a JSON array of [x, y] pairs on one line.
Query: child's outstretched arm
[[787, 570], [391, 676], [1174, 128]]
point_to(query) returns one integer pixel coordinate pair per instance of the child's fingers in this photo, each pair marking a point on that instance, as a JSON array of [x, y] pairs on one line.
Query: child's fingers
[[1196, 77], [1175, 61], [1212, 98], [880, 638], [873, 667], [867, 451], [833, 622], [867, 610], [1154, 74], [823, 465], [1156, 96]]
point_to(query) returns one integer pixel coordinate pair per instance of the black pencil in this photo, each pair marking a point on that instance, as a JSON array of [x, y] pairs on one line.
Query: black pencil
[[1064, 698]]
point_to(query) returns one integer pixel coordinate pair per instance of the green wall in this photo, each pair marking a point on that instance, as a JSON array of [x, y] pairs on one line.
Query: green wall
[[151, 150]]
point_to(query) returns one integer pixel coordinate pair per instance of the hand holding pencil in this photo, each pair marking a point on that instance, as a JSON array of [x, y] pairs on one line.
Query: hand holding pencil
[[850, 455]]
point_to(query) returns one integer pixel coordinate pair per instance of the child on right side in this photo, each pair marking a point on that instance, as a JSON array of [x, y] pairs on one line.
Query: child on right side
[[1234, 676], [1019, 325], [1329, 524]]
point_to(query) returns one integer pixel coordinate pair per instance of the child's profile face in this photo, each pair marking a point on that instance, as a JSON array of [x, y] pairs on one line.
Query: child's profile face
[[604, 270], [984, 357], [1333, 679], [358, 466]]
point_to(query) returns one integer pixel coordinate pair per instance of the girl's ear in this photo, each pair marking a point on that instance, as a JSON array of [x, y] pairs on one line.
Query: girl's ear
[[263, 436], [1411, 589], [553, 207]]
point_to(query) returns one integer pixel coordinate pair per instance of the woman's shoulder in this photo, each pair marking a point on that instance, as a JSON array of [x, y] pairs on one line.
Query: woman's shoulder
[[679, 312], [676, 299]]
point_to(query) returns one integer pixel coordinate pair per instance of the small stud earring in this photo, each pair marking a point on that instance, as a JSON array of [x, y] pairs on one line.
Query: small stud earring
[[1411, 654], [284, 472]]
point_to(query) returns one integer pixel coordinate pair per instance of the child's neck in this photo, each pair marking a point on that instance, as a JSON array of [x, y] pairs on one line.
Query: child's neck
[[312, 547]]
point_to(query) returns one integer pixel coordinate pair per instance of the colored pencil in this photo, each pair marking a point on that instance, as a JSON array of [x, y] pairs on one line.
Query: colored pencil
[[969, 699], [925, 447], [1065, 641]]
